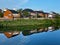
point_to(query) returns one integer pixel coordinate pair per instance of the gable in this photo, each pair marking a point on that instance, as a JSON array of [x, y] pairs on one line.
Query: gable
[[13, 11]]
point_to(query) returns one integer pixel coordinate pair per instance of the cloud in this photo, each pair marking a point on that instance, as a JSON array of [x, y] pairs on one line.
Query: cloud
[[12, 3], [22, 2]]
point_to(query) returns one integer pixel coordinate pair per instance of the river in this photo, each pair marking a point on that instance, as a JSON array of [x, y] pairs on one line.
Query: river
[[40, 36]]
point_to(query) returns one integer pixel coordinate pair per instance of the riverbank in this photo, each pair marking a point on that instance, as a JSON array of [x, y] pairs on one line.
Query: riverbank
[[26, 24], [20, 22]]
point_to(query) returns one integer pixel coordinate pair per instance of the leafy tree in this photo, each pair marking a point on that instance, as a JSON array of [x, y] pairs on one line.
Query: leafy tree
[[19, 10], [28, 10], [1, 14], [57, 15], [57, 19], [26, 14]]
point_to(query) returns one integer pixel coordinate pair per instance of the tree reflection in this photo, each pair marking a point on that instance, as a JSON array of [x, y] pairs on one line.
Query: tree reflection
[[10, 34], [39, 30]]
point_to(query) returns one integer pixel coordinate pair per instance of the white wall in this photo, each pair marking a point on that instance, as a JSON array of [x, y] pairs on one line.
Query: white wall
[[50, 16], [16, 15]]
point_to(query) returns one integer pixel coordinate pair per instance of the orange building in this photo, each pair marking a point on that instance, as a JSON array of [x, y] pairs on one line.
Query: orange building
[[10, 14]]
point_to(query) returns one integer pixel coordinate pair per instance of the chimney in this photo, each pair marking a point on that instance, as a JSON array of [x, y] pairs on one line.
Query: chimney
[[5, 9]]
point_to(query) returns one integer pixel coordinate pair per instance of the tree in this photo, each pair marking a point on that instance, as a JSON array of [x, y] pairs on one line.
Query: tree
[[26, 14], [57, 16], [57, 19], [28, 10], [20, 11], [1, 13]]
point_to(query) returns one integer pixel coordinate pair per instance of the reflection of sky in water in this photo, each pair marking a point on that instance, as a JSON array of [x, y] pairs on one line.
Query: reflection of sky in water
[[45, 38]]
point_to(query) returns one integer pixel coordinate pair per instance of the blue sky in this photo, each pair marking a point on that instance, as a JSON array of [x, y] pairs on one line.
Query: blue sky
[[46, 5]]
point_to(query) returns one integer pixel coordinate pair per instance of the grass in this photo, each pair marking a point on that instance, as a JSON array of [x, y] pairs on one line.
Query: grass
[[26, 24]]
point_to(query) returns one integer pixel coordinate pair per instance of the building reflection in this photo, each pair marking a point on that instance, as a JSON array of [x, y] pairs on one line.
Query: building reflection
[[39, 30], [30, 32], [11, 34]]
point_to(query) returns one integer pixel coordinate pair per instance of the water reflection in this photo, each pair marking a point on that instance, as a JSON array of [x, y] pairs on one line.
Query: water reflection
[[10, 34], [40, 36], [39, 30]]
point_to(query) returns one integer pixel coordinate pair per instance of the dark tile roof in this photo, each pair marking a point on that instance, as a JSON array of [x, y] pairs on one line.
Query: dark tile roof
[[39, 11], [46, 13], [13, 11], [33, 12]]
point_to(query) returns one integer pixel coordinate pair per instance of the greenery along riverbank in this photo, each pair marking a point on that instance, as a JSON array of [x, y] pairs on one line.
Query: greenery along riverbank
[[23, 24]]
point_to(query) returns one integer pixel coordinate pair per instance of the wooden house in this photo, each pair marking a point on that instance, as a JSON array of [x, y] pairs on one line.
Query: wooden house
[[33, 14], [10, 14], [40, 14], [46, 15]]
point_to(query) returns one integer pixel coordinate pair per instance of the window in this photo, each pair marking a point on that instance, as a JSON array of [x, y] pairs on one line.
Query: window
[[9, 14]]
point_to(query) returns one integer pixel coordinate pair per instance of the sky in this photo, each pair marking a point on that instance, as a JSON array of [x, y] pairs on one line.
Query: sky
[[45, 5]]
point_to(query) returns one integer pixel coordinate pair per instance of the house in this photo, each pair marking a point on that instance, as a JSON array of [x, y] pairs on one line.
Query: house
[[10, 14], [33, 14], [30, 13], [36, 14], [46, 14], [40, 14], [11, 34], [52, 15]]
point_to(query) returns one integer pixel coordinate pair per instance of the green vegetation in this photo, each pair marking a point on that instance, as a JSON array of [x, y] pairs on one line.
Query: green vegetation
[[21, 22], [26, 24], [25, 13], [56, 21], [1, 14]]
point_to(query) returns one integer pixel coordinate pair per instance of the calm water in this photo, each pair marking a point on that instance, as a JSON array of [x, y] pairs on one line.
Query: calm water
[[42, 36]]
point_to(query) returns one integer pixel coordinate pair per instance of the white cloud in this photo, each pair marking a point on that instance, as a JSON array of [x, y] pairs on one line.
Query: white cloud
[[12, 3], [22, 2]]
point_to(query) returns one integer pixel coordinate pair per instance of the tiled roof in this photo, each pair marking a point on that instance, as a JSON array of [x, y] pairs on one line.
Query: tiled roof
[[39, 11], [46, 13], [13, 11]]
